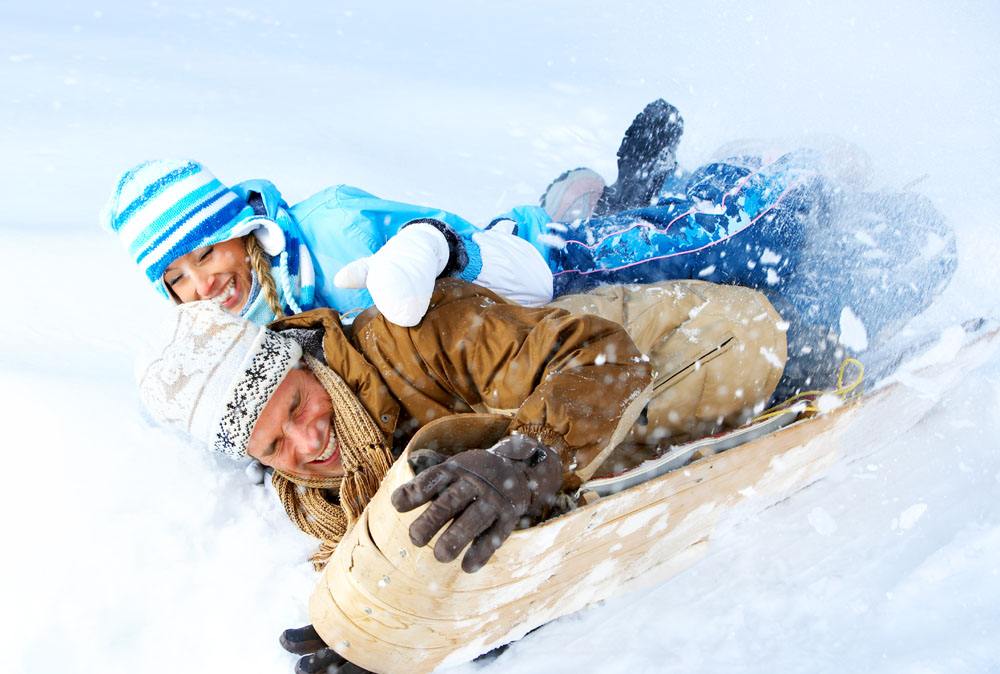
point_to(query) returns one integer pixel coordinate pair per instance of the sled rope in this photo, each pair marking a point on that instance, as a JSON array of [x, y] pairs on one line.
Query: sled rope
[[326, 508], [843, 391]]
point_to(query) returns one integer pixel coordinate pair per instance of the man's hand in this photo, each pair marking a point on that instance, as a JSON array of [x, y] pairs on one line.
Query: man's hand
[[319, 659], [400, 275], [485, 493]]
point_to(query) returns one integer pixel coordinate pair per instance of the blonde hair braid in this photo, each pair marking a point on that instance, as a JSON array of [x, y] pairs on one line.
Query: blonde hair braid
[[261, 266], [366, 459]]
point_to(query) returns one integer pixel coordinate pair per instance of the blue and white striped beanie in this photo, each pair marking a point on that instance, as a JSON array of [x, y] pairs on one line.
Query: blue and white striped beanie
[[166, 208]]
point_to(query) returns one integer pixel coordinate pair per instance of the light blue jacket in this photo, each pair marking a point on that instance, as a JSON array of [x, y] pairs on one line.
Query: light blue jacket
[[341, 224]]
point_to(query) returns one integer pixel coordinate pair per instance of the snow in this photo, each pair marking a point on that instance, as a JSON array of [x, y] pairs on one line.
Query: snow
[[942, 351], [642, 520], [822, 522], [771, 356], [769, 257], [909, 517], [129, 551], [853, 334]]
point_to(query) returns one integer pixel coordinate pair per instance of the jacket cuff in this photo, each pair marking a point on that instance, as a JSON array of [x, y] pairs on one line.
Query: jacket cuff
[[458, 256], [555, 441]]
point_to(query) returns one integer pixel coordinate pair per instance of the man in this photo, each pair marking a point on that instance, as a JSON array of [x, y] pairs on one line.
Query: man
[[325, 405]]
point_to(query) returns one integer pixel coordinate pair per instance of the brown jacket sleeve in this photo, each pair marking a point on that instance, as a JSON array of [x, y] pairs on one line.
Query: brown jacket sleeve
[[565, 379]]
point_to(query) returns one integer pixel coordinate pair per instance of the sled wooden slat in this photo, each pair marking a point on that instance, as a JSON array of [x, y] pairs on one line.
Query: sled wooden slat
[[680, 515], [519, 555], [660, 525], [407, 631], [323, 608], [391, 607]]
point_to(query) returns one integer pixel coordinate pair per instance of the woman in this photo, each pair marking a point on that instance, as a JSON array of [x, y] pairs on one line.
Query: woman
[[330, 250], [846, 268]]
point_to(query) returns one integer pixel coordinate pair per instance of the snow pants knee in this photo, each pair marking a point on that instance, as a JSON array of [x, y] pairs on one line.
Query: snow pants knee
[[718, 350]]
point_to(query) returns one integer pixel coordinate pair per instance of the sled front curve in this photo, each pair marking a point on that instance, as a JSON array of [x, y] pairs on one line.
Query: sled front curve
[[391, 607]]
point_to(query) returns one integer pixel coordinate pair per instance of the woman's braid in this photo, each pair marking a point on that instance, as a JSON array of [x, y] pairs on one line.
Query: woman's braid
[[261, 266]]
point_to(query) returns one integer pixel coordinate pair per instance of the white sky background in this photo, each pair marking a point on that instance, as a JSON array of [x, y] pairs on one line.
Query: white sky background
[[470, 106], [475, 105]]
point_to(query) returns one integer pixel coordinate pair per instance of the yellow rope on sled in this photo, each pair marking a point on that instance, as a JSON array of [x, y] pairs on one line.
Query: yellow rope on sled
[[843, 391]]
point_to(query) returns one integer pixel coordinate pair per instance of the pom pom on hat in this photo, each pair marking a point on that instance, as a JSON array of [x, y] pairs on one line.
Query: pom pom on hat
[[164, 209], [212, 373]]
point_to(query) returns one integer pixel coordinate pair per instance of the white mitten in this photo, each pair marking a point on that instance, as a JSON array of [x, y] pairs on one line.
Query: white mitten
[[400, 275]]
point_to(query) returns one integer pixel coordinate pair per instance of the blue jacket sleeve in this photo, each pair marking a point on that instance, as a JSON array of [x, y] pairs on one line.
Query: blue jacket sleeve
[[342, 224]]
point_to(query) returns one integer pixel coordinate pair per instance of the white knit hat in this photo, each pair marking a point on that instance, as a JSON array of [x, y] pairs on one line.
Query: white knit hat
[[212, 373]]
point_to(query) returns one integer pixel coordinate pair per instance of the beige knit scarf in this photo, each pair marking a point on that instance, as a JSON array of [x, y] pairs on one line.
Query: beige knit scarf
[[328, 507]]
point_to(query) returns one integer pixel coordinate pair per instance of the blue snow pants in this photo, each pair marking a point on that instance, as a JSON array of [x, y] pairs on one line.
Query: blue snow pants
[[822, 254]]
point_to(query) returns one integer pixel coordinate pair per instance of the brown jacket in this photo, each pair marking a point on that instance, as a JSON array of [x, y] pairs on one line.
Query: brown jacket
[[577, 381], [568, 380]]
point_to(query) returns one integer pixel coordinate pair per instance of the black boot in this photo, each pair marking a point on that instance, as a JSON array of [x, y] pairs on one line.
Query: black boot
[[645, 158]]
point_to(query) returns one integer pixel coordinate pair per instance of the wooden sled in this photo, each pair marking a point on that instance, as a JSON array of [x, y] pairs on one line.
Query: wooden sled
[[391, 607]]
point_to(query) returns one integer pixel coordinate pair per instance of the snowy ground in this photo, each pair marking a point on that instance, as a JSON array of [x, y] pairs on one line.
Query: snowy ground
[[128, 551]]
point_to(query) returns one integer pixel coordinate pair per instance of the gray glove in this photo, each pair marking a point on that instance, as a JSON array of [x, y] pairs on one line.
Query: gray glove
[[486, 492]]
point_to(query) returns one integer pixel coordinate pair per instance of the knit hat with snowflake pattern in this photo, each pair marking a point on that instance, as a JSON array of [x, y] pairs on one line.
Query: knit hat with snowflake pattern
[[211, 374]]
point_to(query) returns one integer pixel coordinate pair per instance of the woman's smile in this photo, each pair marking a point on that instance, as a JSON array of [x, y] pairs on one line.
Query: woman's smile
[[231, 297]]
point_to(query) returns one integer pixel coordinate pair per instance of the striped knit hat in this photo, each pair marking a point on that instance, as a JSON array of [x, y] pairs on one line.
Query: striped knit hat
[[211, 374], [164, 209]]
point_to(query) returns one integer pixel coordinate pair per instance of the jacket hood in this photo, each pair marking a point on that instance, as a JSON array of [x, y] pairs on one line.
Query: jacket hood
[[271, 197]]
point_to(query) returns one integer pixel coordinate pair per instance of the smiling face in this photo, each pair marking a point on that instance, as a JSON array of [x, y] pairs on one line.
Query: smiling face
[[220, 272], [294, 432]]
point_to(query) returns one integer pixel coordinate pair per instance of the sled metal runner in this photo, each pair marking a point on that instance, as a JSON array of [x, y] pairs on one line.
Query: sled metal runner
[[391, 607]]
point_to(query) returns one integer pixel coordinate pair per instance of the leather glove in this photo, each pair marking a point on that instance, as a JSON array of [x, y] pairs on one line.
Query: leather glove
[[400, 275], [319, 659], [485, 493]]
